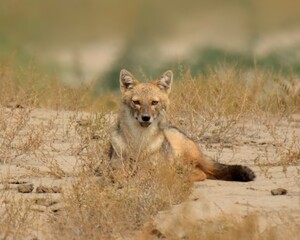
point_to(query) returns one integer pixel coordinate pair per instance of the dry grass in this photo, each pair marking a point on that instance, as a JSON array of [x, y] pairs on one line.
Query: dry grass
[[16, 217], [99, 202], [111, 209], [215, 108], [215, 102], [21, 88], [218, 101]]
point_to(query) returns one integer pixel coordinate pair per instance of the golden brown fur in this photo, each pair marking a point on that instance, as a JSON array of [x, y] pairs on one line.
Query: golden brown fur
[[142, 131]]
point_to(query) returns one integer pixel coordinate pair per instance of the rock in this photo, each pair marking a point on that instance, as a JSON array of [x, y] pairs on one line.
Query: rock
[[157, 233], [43, 189], [278, 191], [25, 188]]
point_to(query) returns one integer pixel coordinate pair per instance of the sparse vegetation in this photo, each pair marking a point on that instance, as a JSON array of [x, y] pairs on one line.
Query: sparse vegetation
[[50, 134]]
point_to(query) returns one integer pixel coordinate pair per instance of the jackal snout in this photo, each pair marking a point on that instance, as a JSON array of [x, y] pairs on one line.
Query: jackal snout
[[145, 120], [144, 111]]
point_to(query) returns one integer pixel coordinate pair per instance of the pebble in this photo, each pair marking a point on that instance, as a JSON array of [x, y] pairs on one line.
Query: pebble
[[25, 188], [278, 191], [43, 189]]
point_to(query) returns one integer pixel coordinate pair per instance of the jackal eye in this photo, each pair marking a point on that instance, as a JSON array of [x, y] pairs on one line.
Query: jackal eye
[[154, 103], [136, 102]]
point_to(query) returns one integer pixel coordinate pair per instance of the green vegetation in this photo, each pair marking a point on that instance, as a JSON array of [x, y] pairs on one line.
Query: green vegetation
[[244, 34]]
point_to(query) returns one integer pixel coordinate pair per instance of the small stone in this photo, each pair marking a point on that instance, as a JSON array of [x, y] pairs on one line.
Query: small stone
[[278, 191], [25, 188], [43, 189], [157, 233]]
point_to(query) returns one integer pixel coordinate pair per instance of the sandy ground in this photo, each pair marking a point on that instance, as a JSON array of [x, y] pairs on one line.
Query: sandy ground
[[209, 199]]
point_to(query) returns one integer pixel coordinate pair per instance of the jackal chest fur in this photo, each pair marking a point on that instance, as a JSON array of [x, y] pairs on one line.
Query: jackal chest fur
[[130, 140]]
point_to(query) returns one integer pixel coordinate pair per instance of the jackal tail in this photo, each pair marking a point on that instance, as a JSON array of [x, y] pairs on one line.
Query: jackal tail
[[239, 173]]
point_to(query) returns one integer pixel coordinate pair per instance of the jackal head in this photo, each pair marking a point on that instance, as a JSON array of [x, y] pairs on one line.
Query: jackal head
[[146, 101]]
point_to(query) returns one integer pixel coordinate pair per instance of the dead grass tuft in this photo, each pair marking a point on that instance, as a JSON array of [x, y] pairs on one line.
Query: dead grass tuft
[[115, 205], [16, 217]]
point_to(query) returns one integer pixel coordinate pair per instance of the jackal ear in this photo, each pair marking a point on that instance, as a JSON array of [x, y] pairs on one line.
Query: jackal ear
[[164, 82], [127, 80]]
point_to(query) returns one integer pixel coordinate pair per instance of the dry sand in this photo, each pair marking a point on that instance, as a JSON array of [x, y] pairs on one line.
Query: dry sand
[[209, 199]]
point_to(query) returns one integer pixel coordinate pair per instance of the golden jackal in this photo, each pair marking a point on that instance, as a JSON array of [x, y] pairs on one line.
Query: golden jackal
[[142, 130]]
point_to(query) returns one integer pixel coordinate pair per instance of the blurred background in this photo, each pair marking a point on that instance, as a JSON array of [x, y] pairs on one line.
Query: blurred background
[[80, 41]]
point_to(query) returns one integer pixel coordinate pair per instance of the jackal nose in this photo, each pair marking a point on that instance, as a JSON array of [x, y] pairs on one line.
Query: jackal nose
[[146, 118]]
